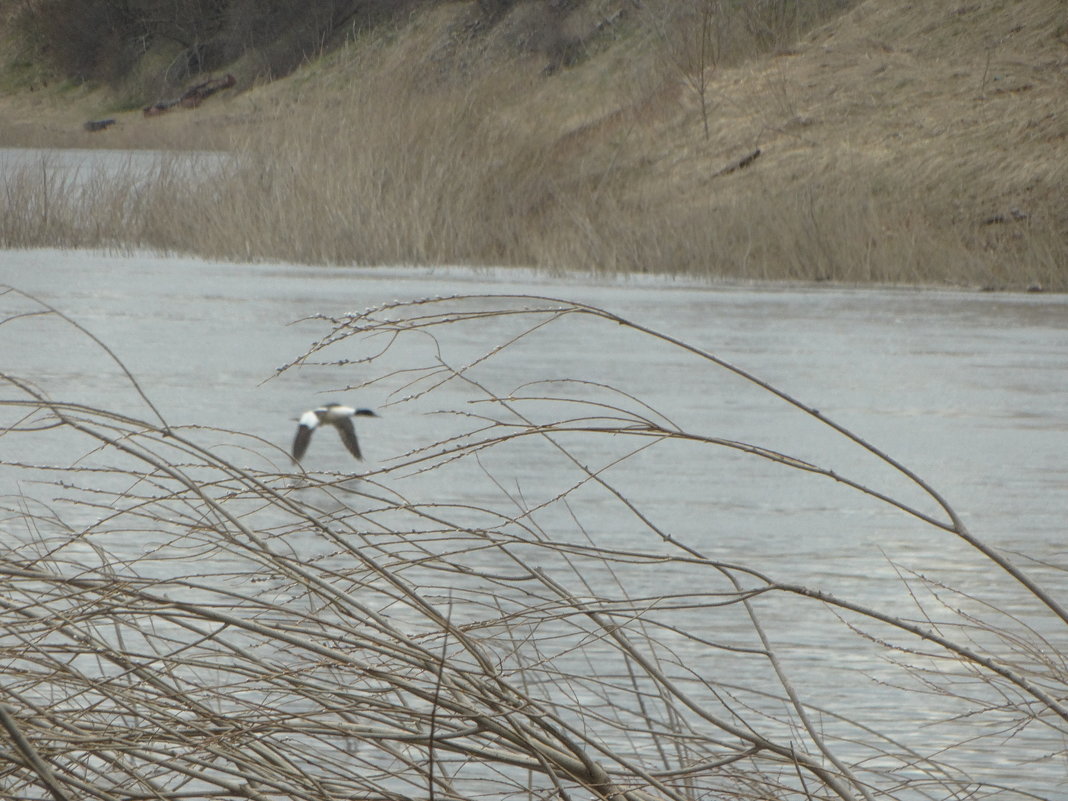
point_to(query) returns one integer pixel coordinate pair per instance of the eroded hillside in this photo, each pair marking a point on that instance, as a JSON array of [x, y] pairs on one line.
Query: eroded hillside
[[891, 142]]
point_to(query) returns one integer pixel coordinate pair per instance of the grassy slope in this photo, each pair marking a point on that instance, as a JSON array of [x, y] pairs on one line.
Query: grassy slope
[[890, 138]]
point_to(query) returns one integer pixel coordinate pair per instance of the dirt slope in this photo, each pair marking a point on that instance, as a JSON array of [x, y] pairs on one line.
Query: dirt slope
[[894, 136]]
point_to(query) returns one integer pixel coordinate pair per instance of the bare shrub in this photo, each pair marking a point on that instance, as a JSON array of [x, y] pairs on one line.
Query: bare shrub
[[285, 34], [102, 40], [89, 42], [178, 624]]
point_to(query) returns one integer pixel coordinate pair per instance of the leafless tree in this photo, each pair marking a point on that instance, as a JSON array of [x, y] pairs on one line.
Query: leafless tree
[[178, 624]]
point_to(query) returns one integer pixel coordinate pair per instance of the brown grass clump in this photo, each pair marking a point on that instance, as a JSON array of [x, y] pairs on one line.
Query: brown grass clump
[[918, 146]]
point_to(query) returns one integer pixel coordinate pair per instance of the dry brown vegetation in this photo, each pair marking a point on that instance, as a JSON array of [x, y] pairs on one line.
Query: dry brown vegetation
[[188, 615], [898, 143]]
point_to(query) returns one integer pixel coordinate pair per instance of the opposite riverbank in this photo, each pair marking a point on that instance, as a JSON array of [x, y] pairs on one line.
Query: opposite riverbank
[[886, 144]]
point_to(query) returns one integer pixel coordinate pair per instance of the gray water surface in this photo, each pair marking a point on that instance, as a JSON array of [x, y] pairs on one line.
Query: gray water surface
[[73, 168], [968, 390]]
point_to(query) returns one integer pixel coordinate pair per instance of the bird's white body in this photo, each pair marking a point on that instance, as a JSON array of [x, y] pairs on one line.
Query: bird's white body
[[309, 419], [333, 414], [327, 414]]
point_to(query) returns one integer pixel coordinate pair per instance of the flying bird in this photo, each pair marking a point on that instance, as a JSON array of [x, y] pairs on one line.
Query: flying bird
[[336, 415]]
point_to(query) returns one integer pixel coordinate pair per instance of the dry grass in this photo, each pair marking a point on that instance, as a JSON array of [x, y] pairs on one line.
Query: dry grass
[[917, 146], [176, 624]]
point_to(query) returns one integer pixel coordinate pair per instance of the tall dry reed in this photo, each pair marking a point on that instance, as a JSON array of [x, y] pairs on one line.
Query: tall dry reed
[[409, 148]]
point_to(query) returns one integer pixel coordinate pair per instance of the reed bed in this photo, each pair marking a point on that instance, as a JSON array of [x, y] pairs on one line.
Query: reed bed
[[878, 163], [179, 624]]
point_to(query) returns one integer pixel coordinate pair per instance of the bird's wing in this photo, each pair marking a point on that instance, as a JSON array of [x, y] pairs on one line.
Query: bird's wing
[[308, 422], [348, 435]]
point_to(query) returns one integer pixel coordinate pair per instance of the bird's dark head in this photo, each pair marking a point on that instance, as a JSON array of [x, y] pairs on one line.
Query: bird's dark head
[[366, 413]]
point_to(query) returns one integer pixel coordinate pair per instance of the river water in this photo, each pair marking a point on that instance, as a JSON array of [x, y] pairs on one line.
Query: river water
[[967, 390], [71, 168]]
